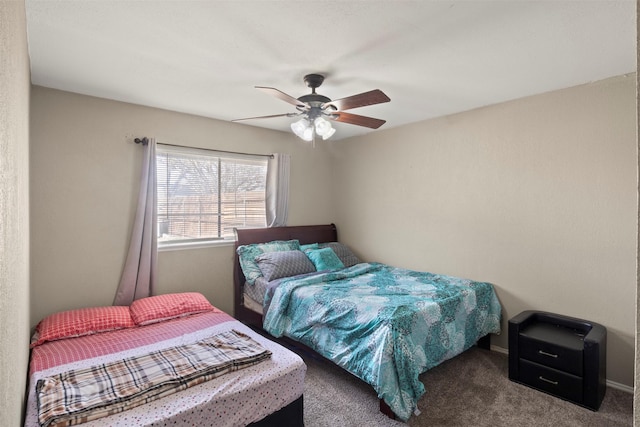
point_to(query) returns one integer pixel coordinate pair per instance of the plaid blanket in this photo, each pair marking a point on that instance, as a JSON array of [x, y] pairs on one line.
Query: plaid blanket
[[78, 396]]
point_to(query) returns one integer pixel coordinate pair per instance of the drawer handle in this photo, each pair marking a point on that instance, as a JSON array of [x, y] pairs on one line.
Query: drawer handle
[[544, 353], [541, 378]]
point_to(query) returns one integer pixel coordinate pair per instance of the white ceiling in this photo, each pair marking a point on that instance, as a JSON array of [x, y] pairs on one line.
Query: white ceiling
[[432, 58]]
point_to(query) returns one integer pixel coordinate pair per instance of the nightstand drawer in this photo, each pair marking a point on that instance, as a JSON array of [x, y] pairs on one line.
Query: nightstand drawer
[[553, 355], [552, 381]]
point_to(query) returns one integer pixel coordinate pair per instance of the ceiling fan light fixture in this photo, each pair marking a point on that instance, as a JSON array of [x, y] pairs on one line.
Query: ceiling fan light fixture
[[328, 134], [323, 128], [299, 127], [307, 135], [306, 131]]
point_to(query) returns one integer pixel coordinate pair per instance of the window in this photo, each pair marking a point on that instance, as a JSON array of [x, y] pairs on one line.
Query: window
[[203, 195]]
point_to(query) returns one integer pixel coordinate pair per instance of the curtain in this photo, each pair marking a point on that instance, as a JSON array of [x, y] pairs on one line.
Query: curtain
[[277, 194], [139, 274]]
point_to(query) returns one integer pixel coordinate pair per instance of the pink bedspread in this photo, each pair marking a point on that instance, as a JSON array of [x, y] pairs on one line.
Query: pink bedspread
[[234, 399]]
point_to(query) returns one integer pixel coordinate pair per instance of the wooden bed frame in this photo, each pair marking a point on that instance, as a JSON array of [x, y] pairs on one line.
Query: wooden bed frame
[[305, 234]]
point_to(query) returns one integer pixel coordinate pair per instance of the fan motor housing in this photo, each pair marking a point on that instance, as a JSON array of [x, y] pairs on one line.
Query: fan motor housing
[[314, 98]]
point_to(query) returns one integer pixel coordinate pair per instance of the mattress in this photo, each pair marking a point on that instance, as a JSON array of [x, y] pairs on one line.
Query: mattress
[[258, 290], [234, 399], [252, 304]]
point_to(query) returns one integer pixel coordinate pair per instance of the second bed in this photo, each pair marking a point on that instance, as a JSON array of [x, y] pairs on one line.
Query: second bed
[[386, 325]]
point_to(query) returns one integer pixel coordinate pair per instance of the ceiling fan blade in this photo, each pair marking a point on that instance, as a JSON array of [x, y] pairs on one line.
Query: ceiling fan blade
[[268, 117], [372, 97], [283, 96], [355, 119]]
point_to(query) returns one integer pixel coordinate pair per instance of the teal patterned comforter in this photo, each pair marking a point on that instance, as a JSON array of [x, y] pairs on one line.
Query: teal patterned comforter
[[386, 325]]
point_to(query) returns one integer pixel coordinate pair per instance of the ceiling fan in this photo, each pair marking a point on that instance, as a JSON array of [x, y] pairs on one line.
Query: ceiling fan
[[317, 110]]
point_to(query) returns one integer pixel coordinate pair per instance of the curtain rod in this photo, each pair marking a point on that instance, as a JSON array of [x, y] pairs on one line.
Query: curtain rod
[[145, 141]]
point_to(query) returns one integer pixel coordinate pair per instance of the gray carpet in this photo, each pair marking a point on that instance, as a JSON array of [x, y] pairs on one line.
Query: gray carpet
[[472, 389]]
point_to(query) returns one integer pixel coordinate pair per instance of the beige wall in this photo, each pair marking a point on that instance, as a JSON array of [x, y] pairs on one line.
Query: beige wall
[[84, 177], [14, 211], [538, 196]]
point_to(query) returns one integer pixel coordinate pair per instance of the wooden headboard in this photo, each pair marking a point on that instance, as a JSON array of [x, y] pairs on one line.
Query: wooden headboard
[[304, 233]]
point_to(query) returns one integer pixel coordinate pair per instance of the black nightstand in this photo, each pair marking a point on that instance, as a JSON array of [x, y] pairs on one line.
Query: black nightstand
[[560, 355]]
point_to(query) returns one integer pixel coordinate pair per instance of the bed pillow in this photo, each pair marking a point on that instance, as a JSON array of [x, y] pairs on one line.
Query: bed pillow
[[82, 321], [158, 308], [247, 255], [275, 265], [324, 259], [347, 257], [309, 246]]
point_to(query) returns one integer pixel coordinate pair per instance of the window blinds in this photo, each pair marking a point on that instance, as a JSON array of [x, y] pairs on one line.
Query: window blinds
[[203, 195]]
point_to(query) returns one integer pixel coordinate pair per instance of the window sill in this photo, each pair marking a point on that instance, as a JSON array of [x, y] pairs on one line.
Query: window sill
[[195, 245]]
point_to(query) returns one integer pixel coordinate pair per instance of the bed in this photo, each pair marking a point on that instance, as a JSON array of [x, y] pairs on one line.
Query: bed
[[260, 386], [383, 324]]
